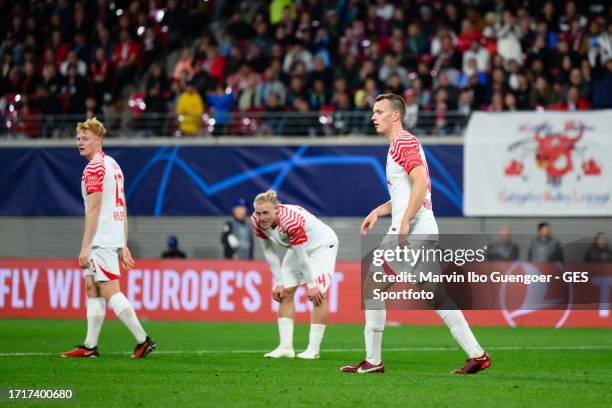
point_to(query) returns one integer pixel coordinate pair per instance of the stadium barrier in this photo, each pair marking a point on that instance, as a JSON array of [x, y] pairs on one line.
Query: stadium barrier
[[139, 124], [236, 291]]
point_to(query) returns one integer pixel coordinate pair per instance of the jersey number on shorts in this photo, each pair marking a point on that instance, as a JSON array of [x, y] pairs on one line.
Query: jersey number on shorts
[[321, 280]]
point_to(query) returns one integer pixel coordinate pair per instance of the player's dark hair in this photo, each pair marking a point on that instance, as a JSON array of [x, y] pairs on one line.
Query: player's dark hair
[[542, 225], [397, 102]]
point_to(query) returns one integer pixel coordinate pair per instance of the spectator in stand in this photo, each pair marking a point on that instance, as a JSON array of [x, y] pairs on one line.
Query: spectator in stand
[[468, 35], [177, 21], [304, 124], [466, 102], [270, 85], [73, 59], [221, 102], [510, 102], [503, 249], [102, 76], [412, 111], [479, 54], [74, 91], [574, 102], [508, 37], [189, 110], [126, 58], [92, 110], [156, 110], [497, 102], [151, 48], [602, 83], [30, 79], [183, 70], [173, 251], [542, 94], [599, 250], [545, 248]]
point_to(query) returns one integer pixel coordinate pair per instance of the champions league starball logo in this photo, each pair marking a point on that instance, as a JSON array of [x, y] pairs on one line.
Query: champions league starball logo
[[545, 303], [555, 152]]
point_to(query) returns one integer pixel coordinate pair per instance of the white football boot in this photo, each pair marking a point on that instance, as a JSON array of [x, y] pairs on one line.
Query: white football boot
[[281, 352], [308, 354]]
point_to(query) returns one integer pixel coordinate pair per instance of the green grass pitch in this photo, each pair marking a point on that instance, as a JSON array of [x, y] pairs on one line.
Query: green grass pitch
[[222, 364]]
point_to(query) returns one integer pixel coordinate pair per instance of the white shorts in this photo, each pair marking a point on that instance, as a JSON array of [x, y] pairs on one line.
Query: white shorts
[[322, 264], [415, 241], [104, 264]]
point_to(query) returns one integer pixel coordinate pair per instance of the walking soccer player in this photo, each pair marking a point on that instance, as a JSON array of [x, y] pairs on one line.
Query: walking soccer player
[[104, 243], [312, 247], [411, 217]]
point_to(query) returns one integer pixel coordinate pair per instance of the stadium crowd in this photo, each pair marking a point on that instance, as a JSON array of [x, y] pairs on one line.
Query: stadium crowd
[[76, 57]]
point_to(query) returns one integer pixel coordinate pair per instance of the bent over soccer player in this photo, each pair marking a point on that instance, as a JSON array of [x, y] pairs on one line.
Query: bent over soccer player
[[411, 217], [312, 247], [104, 243]]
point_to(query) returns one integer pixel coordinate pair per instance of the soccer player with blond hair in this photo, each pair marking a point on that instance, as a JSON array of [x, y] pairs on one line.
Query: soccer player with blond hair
[[310, 259], [104, 243], [412, 221]]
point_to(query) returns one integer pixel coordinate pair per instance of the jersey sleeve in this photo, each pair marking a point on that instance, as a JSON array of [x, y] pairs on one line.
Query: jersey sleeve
[[94, 176], [407, 153], [257, 229], [294, 226]]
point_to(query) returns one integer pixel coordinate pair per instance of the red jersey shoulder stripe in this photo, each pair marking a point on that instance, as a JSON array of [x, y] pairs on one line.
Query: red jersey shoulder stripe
[[293, 224], [94, 173], [406, 151]]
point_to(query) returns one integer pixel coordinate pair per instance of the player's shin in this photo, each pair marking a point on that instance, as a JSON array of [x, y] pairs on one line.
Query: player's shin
[[285, 332], [461, 332], [96, 312], [375, 316], [125, 312], [317, 326]]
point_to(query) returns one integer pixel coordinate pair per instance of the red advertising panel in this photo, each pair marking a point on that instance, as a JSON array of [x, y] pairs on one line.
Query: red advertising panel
[[236, 291]]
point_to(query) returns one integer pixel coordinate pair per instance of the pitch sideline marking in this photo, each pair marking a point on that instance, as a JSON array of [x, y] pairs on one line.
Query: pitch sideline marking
[[347, 350]]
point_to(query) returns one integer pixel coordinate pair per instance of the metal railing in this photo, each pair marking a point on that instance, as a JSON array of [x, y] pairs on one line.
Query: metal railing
[[247, 124]]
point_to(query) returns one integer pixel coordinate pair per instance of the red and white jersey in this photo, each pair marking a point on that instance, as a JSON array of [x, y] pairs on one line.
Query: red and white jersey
[[406, 153], [103, 174], [296, 226]]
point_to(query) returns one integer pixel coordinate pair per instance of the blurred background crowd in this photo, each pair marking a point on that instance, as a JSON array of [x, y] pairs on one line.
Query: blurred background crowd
[[201, 61]]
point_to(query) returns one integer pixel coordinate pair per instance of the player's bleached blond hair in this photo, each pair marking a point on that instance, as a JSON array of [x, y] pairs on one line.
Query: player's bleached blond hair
[[93, 125], [269, 196]]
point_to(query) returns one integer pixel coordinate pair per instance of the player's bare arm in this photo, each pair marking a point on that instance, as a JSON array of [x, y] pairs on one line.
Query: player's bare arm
[[274, 263], [370, 220], [417, 195], [125, 255], [92, 216]]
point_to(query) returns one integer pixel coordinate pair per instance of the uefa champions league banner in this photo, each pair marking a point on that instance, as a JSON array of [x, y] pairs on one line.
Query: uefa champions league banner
[[538, 164], [186, 180], [240, 291]]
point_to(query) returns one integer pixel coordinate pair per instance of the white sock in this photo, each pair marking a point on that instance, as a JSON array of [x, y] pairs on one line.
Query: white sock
[[96, 312], [285, 331], [375, 325], [461, 332], [315, 336], [125, 312]]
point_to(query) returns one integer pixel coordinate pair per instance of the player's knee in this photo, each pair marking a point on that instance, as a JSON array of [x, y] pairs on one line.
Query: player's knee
[[109, 289], [372, 327], [91, 289], [289, 293]]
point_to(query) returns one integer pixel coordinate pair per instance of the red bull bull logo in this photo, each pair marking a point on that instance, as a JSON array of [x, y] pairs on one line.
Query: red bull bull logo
[[554, 152]]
